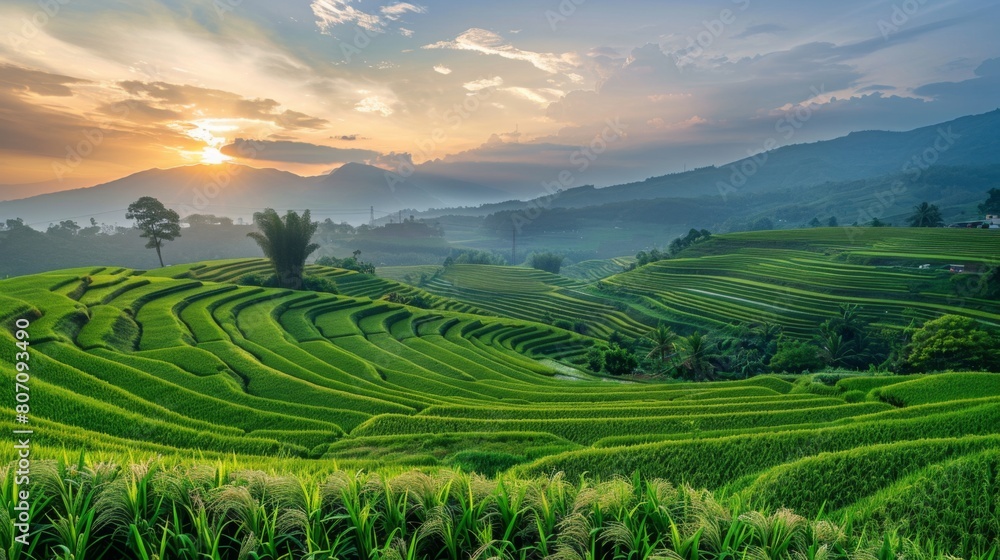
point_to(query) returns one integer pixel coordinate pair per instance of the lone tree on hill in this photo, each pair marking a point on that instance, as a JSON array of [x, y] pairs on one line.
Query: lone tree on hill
[[286, 242], [155, 221], [926, 215]]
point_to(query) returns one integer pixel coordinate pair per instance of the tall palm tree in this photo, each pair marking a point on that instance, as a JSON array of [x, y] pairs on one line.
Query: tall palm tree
[[698, 357], [926, 215], [286, 242], [768, 333], [834, 350], [664, 341]]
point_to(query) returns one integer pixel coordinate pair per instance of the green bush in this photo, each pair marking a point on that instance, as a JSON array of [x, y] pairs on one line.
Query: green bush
[[548, 262], [795, 356]]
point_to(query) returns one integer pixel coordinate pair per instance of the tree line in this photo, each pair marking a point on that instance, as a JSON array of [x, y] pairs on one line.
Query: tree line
[[843, 342]]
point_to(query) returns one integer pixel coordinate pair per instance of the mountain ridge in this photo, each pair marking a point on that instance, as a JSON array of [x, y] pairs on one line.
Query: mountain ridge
[[347, 193]]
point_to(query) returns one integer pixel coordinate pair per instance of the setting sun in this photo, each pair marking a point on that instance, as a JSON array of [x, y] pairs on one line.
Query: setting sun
[[213, 156]]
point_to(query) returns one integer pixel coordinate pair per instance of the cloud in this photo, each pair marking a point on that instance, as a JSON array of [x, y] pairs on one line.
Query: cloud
[[331, 13], [761, 29], [541, 96], [483, 83], [24, 80], [392, 161], [442, 69], [161, 101], [490, 43], [295, 152], [398, 10], [40, 124], [374, 104], [968, 94], [139, 111], [875, 87], [901, 36], [292, 120]]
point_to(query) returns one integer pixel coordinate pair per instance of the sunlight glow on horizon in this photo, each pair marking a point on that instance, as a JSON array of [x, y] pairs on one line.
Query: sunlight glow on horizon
[[213, 156]]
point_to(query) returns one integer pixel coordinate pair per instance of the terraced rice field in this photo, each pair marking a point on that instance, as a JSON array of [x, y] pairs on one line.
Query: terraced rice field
[[593, 270], [795, 279], [534, 295], [265, 423], [799, 281]]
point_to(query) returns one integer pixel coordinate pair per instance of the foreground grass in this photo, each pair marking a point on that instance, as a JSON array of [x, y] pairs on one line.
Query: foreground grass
[[171, 508]]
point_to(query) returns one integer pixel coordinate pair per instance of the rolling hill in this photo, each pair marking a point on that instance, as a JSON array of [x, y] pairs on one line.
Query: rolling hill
[[795, 279], [238, 191], [348, 192], [222, 406]]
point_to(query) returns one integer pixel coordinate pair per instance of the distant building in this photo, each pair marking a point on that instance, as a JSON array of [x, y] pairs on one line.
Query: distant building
[[992, 221], [956, 268]]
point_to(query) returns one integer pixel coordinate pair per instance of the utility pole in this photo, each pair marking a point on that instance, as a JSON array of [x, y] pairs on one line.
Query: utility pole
[[371, 221]]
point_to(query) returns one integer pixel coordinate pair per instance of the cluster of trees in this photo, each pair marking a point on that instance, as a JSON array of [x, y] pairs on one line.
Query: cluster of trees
[[661, 352], [549, 262], [845, 342], [830, 222], [693, 236], [983, 285], [473, 256], [198, 220], [353, 262], [66, 228], [407, 229], [756, 224], [415, 300], [992, 204], [285, 240]]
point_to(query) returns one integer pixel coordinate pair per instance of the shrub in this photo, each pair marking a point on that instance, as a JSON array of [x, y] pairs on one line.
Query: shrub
[[595, 359], [620, 361], [475, 257], [795, 356], [319, 284], [563, 324], [269, 280], [549, 262], [952, 343]]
